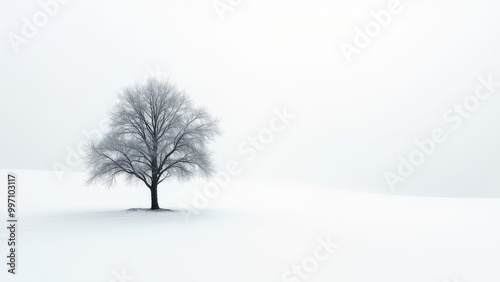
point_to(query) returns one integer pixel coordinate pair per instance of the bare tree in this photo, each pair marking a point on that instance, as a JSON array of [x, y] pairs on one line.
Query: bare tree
[[155, 133]]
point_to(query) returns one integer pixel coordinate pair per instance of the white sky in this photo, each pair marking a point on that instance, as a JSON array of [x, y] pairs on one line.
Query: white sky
[[353, 120]]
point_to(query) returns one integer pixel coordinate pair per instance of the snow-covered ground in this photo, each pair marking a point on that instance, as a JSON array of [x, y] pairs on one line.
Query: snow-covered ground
[[250, 232]]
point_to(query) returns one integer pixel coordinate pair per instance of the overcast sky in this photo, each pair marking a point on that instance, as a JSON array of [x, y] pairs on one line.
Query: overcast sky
[[352, 120]]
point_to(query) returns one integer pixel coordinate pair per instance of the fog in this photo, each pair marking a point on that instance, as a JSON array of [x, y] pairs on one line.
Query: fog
[[348, 121]]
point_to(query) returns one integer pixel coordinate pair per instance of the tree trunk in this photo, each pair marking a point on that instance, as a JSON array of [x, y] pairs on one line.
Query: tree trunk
[[154, 198]]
